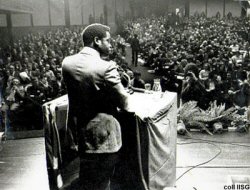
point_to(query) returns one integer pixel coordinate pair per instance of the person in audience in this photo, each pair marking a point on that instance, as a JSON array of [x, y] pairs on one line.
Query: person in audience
[[193, 89], [219, 90], [237, 58], [135, 45], [15, 94], [241, 95], [204, 75], [120, 44], [49, 73], [35, 91], [137, 81]]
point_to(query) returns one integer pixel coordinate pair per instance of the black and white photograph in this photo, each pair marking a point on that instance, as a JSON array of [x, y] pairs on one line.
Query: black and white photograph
[[124, 94]]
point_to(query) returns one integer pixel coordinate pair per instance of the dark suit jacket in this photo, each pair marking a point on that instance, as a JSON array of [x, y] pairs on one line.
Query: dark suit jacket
[[135, 44], [94, 91]]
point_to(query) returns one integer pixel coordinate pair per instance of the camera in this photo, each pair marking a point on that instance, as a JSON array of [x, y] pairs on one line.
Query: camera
[[189, 74]]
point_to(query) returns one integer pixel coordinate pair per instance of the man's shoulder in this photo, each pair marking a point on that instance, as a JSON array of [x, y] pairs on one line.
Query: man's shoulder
[[92, 63], [69, 60], [108, 63]]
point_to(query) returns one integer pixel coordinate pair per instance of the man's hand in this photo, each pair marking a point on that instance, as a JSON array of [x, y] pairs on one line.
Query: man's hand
[[191, 76]]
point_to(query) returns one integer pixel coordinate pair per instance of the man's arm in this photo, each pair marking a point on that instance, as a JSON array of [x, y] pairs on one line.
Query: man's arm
[[113, 80], [122, 96]]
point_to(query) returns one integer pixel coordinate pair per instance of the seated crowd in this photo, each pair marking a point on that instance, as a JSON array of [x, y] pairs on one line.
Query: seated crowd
[[30, 74], [201, 59]]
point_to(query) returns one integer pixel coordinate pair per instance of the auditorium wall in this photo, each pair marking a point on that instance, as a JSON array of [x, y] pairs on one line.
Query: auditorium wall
[[57, 12], [98, 9], [50, 14], [233, 7], [197, 6], [20, 20], [111, 13], [122, 7], [87, 7], [3, 21], [75, 11], [79, 10], [214, 6], [41, 13], [4, 37]]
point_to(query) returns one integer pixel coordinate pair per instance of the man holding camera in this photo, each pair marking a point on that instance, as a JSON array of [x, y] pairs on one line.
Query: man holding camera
[[193, 89]]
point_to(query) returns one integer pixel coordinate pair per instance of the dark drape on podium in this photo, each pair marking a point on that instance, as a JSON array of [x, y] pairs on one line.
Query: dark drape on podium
[[148, 153], [130, 173]]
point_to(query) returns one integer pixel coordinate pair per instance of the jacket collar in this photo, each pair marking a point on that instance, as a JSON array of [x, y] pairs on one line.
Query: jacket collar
[[89, 51]]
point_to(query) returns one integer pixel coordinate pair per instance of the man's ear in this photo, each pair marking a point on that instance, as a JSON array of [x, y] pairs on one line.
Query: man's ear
[[97, 41]]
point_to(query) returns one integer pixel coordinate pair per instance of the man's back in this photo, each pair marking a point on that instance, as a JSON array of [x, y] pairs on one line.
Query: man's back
[[94, 92], [135, 44], [89, 80]]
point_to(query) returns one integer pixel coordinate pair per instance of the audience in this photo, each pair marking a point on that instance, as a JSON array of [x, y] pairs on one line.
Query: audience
[[218, 48], [219, 55], [31, 74]]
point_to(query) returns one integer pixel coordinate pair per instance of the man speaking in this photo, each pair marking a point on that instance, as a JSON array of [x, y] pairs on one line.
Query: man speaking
[[95, 92]]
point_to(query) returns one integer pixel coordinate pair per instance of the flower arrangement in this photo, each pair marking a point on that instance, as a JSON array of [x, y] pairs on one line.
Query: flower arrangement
[[213, 120]]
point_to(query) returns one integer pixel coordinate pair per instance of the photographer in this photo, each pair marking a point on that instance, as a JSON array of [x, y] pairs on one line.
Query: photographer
[[15, 94], [193, 89]]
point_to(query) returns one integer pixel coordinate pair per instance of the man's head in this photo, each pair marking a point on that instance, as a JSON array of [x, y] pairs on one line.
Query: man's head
[[97, 36], [47, 67], [26, 60], [137, 75], [12, 69], [8, 59], [15, 81], [35, 81], [191, 68]]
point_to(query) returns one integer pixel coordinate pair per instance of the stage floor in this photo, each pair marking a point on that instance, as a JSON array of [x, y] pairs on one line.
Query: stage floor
[[23, 164], [232, 160]]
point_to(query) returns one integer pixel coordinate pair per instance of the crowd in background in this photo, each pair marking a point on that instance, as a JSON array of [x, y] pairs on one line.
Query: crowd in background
[[202, 59], [214, 51], [30, 73]]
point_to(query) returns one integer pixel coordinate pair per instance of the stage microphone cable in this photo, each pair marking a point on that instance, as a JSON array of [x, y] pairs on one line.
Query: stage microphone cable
[[203, 163], [211, 142], [214, 141]]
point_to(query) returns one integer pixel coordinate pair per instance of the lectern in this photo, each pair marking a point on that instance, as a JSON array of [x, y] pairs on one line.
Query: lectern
[[149, 143]]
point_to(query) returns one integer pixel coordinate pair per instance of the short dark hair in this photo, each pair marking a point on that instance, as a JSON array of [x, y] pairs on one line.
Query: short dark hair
[[191, 67], [137, 73], [92, 31]]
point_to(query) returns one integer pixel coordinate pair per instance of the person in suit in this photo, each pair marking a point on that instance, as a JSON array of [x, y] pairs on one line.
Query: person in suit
[[137, 81], [94, 93], [135, 45]]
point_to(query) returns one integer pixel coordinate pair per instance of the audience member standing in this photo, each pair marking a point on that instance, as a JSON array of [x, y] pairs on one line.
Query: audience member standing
[[135, 45]]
